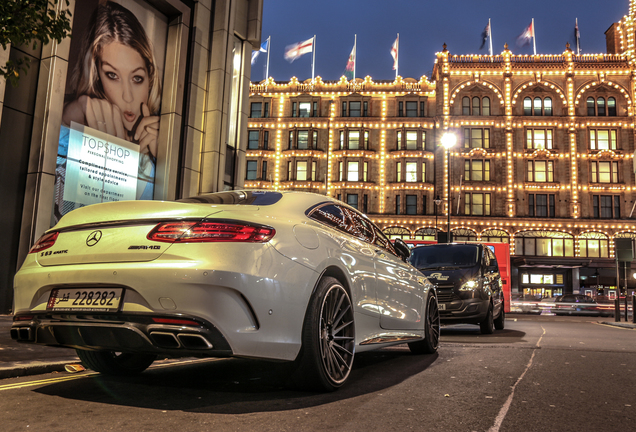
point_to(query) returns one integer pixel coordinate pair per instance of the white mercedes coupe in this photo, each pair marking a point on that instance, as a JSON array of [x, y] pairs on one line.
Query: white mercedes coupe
[[289, 276]]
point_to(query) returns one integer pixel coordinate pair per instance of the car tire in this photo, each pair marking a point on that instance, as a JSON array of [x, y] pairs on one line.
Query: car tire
[[487, 326], [430, 344], [116, 363], [328, 339], [500, 322]]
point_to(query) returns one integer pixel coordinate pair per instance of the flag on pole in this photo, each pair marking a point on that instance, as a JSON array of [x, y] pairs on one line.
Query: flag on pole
[[264, 48], [351, 64], [577, 37], [526, 37], [394, 52], [484, 36], [292, 52]]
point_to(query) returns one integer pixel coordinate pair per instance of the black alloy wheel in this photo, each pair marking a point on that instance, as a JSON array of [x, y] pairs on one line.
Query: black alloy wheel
[[431, 330], [500, 322], [328, 336], [487, 326]]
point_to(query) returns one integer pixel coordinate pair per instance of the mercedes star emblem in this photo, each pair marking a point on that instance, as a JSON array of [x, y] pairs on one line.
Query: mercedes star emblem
[[93, 238]]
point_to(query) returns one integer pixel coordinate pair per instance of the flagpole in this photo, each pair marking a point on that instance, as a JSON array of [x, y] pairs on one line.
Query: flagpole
[[534, 38], [490, 31], [313, 60], [269, 43], [355, 55]]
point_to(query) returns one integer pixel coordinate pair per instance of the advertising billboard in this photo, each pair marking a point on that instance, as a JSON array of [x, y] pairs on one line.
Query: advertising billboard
[[108, 142]]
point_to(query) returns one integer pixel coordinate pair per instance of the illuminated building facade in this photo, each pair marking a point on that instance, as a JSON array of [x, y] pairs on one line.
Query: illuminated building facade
[[543, 160]]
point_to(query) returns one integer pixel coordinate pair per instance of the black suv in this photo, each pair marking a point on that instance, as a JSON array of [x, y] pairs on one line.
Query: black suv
[[469, 286]]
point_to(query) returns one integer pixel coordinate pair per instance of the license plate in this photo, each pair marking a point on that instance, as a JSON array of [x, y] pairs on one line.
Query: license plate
[[85, 299], [442, 306]]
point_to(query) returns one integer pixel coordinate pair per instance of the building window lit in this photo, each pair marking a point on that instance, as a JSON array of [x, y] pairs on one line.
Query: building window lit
[[594, 245], [602, 139], [477, 204], [539, 139], [604, 172], [544, 243], [411, 172], [476, 138], [411, 140], [540, 171], [477, 170], [301, 171], [352, 171]]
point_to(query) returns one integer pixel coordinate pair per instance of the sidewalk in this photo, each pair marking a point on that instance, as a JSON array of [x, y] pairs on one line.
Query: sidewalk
[[19, 359]]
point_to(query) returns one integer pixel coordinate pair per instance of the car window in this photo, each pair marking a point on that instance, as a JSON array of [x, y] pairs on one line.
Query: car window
[[454, 255], [349, 221]]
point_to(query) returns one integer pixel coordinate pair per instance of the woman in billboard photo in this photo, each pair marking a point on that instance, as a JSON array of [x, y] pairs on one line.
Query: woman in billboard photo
[[116, 87]]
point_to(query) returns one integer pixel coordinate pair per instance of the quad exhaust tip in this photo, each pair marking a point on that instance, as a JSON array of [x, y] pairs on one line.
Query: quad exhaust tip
[[181, 340]]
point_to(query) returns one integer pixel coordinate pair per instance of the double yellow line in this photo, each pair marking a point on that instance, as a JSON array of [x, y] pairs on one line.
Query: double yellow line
[[44, 381]]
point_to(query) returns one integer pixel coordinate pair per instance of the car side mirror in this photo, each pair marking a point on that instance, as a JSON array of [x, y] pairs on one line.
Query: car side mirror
[[402, 249]]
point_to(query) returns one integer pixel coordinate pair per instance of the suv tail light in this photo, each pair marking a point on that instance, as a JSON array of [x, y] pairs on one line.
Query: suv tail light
[[45, 242], [186, 232]]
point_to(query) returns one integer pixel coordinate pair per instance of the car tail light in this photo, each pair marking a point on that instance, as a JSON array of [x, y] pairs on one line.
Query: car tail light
[[45, 242], [175, 321], [185, 232]]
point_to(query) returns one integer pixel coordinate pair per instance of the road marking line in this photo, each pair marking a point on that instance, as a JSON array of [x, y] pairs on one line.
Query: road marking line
[[44, 381], [506, 406], [90, 374]]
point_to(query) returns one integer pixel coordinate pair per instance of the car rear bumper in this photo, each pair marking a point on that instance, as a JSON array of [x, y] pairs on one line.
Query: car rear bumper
[[123, 332]]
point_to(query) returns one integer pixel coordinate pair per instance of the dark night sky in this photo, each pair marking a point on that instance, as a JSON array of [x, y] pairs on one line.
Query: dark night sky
[[424, 26]]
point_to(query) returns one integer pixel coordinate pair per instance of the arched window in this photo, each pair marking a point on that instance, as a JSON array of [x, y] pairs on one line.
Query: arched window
[[594, 245], [397, 232], [611, 107], [463, 234], [591, 107], [495, 236], [466, 105], [485, 104], [426, 234], [476, 106], [544, 243], [537, 106], [527, 106], [547, 106], [600, 106]]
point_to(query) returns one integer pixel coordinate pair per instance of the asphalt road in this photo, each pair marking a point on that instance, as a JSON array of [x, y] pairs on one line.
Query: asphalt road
[[540, 374]]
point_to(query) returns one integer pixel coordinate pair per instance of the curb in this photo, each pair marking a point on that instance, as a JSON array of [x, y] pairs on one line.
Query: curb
[[34, 368], [619, 324]]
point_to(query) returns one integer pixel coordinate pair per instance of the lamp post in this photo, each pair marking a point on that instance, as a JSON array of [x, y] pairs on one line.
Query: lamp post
[[437, 202], [448, 140]]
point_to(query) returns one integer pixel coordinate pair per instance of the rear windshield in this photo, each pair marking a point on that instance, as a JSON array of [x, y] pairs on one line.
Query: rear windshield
[[257, 198], [440, 256]]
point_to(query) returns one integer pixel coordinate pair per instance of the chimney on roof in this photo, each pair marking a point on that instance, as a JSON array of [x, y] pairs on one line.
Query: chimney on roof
[[612, 39]]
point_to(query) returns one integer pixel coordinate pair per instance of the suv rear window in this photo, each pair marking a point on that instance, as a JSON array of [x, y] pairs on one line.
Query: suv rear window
[[257, 198]]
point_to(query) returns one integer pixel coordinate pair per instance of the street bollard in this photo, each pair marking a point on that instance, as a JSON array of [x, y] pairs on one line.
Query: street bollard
[[617, 309], [634, 308], [626, 308]]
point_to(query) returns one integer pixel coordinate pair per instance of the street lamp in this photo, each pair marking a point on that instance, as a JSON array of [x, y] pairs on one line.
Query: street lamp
[[448, 140], [437, 202]]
